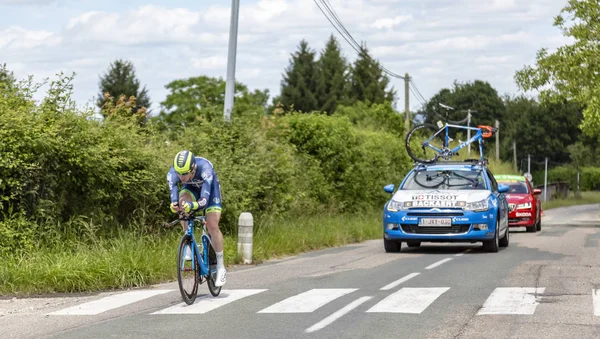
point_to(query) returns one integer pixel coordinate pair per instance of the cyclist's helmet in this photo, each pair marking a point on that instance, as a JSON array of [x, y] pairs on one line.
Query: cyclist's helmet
[[184, 162]]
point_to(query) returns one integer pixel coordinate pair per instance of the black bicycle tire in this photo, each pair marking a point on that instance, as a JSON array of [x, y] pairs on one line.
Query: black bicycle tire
[[187, 298], [433, 129], [214, 290]]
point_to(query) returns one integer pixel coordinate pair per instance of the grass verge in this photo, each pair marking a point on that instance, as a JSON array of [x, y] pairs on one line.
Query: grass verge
[[592, 197], [130, 260]]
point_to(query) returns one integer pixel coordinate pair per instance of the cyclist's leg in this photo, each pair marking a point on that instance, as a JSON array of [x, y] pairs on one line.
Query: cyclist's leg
[[188, 193], [213, 215]]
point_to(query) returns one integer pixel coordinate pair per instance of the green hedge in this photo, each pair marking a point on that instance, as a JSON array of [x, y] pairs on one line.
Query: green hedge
[[66, 175]]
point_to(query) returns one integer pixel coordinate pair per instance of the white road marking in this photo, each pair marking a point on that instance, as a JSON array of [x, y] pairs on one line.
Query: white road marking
[[462, 253], [109, 303], [307, 301], [399, 281], [338, 314], [596, 299], [434, 265], [409, 300], [512, 300], [207, 303]]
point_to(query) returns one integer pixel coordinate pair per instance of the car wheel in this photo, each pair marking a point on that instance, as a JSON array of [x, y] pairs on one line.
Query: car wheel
[[505, 239], [391, 245], [539, 225], [492, 245]]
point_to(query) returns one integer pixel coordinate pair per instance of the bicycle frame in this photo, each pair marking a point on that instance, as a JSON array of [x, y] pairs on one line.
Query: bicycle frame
[[203, 257], [479, 136]]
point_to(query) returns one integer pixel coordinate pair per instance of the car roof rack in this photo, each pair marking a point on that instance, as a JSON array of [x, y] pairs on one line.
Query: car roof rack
[[485, 162]]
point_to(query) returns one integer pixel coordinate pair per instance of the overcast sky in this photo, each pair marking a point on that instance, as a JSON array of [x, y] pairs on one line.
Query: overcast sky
[[435, 41]]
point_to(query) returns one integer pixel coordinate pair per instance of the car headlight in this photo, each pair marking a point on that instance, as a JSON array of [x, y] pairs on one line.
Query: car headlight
[[477, 206], [524, 206], [395, 206]]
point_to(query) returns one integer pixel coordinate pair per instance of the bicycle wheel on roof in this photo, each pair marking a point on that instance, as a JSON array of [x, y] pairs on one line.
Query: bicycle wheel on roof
[[424, 144]]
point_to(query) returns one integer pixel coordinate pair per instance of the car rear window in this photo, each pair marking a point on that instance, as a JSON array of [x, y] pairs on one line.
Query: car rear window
[[516, 187], [445, 180]]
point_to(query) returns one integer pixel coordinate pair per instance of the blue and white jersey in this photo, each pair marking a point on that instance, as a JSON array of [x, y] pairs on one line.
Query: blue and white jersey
[[202, 180]]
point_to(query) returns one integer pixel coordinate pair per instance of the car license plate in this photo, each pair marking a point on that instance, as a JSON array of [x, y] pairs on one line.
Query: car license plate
[[435, 222]]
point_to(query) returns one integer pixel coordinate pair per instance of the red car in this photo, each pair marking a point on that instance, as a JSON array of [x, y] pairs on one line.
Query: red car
[[524, 205]]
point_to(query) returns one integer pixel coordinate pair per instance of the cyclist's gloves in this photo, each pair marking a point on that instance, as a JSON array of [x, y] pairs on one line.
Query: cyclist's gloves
[[174, 207], [189, 206]]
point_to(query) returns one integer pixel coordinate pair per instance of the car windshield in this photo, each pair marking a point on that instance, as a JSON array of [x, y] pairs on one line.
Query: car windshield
[[445, 180], [516, 187]]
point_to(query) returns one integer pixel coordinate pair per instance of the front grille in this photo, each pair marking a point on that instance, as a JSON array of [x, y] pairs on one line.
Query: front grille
[[454, 229], [518, 219], [437, 214]]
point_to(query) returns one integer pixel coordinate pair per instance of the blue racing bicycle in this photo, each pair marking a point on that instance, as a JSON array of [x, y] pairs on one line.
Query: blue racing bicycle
[[436, 144], [201, 263]]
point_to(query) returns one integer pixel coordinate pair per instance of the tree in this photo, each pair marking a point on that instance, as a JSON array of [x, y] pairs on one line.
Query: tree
[[571, 72], [7, 79], [368, 83], [120, 80], [539, 129], [478, 96], [299, 84], [204, 96], [333, 77]]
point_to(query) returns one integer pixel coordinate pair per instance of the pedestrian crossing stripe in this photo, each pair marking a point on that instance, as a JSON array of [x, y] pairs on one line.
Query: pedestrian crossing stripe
[[410, 300], [512, 300], [207, 303], [308, 301], [108, 303]]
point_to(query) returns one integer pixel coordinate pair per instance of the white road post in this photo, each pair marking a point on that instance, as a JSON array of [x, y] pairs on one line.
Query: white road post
[[245, 230]]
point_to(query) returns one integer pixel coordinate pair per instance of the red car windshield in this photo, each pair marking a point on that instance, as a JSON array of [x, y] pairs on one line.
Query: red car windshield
[[518, 187]]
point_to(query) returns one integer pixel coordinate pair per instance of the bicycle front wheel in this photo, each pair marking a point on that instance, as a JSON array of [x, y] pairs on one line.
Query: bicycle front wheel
[[418, 145], [187, 273]]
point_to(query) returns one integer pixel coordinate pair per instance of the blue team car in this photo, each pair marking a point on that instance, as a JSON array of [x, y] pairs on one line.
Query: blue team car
[[446, 202]]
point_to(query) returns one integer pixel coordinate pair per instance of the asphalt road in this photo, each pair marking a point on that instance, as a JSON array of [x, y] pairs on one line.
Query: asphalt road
[[542, 286]]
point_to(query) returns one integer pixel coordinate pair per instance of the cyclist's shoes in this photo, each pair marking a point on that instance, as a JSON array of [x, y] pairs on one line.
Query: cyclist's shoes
[[188, 253], [221, 277]]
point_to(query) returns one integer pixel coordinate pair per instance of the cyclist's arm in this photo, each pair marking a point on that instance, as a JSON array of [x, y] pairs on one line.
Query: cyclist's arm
[[207, 176], [172, 181]]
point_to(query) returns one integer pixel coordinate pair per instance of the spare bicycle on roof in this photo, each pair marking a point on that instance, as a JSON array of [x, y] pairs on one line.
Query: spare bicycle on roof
[[436, 143]]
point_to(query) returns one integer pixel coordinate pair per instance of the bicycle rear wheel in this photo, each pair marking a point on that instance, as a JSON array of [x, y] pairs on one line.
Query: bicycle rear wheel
[[416, 138], [212, 271], [185, 266]]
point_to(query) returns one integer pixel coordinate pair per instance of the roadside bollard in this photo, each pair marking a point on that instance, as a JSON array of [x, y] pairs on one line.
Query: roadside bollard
[[245, 229]]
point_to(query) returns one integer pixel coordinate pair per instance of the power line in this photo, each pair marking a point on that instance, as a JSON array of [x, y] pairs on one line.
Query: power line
[[352, 44]]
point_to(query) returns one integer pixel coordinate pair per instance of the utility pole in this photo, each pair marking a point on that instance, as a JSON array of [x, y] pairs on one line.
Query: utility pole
[[468, 130], [406, 105], [230, 84], [546, 180], [528, 163], [497, 140], [515, 154]]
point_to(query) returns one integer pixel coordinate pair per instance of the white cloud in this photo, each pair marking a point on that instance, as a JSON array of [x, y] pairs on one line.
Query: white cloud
[[147, 24], [209, 63], [26, 2], [20, 38], [435, 41], [390, 22]]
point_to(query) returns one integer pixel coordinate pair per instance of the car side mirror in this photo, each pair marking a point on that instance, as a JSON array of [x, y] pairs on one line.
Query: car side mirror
[[503, 188], [389, 188], [537, 191]]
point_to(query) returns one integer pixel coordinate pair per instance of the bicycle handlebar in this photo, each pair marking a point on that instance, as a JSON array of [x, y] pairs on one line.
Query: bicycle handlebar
[[182, 217]]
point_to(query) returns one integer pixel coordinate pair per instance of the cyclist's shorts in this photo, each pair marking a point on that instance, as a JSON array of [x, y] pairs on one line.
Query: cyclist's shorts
[[214, 201]]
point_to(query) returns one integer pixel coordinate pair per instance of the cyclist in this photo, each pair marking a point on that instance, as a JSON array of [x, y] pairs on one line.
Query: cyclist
[[201, 190]]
